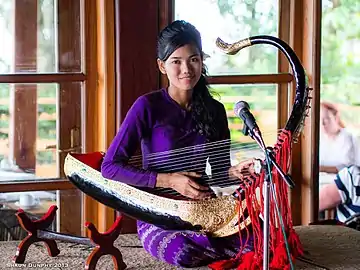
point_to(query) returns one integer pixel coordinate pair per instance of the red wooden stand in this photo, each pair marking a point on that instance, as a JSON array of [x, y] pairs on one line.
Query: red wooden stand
[[105, 245], [103, 242], [32, 227]]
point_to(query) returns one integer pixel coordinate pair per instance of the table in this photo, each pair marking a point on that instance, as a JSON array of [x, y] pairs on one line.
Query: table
[[11, 175], [40, 209]]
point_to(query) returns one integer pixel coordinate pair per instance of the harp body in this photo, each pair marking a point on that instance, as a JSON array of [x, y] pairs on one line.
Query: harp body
[[216, 216]]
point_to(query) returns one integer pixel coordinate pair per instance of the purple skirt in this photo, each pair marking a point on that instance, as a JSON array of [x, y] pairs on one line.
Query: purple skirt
[[187, 248]]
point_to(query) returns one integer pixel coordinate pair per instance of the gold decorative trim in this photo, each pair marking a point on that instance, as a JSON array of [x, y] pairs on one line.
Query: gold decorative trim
[[233, 48], [217, 216]]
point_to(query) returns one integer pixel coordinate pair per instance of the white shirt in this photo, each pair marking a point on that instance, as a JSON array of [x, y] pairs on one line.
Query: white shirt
[[339, 152]]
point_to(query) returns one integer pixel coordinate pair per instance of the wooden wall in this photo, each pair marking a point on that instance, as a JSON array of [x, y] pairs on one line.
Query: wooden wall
[[136, 66], [130, 45]]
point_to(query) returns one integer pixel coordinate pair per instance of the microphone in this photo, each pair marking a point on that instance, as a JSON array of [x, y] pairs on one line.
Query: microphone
[[241, 110]]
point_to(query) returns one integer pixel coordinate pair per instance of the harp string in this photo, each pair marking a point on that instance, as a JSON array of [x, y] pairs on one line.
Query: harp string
[[201, 166], [191, 149], [219, 151], [181, 154], [201, 157], [222, 152], [247, 180], [218, 178], [219, 182]]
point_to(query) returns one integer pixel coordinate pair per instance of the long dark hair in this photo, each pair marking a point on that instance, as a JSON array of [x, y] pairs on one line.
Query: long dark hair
[[175, 35]]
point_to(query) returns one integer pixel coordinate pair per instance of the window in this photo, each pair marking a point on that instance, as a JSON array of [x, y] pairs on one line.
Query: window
[[233, 21], [41, 113], [263, 109], [340, 65], [340, 61]]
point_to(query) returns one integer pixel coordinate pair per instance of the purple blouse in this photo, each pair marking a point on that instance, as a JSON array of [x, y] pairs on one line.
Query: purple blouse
[[157, 123]]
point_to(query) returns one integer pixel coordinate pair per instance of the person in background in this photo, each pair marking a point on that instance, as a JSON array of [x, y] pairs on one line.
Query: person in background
[[343, 193], [338, 147]]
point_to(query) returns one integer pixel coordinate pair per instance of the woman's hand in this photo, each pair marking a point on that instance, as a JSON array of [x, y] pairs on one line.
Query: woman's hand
[[243, 169], [183, 183]]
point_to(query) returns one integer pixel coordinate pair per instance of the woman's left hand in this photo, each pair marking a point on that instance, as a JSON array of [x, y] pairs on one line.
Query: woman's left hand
[[243, 169]]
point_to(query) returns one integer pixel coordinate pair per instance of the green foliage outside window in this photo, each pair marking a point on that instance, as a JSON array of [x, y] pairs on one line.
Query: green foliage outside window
[[340, 58]]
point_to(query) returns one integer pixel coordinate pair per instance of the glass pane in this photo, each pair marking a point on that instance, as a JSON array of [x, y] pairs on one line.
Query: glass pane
[[262, 100], [233, 21], [30, 126], [36, 204], [339, 119], [47, 51], [340, 61]]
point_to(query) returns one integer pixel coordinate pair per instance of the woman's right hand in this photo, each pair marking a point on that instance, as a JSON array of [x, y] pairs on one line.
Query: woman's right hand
[[183, 183]]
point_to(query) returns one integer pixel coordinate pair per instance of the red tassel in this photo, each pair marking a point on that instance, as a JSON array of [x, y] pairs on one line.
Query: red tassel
[[280, 259], [249, 262], [295, 244], [224, 264], [278, 255]]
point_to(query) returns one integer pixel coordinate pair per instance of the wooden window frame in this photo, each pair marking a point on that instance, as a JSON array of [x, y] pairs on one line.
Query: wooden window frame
[[251, 79], [305, 39], [105, 101], [58, 183], [43, 77], [98, 101]]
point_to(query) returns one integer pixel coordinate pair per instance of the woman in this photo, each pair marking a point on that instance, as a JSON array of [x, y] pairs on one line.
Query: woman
[[183, 116], [338, 148]]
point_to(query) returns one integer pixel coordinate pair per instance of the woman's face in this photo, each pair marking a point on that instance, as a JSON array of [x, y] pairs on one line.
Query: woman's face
[[329, 122], [183, 67]]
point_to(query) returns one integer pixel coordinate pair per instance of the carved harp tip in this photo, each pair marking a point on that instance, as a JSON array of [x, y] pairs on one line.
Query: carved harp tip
[[233, 48], [221, 44]]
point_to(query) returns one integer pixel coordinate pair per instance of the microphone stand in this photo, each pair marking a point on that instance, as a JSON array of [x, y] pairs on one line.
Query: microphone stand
[[266, 187]]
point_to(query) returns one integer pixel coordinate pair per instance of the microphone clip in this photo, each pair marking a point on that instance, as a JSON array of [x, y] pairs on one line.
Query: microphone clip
[[245, 130]]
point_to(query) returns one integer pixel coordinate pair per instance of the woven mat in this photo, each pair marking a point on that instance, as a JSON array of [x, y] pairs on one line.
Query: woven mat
[[333, 247]]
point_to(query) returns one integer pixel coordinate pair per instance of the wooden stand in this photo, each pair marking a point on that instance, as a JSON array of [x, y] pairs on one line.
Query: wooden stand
[[105, 245], [32, 228], [103, 242]]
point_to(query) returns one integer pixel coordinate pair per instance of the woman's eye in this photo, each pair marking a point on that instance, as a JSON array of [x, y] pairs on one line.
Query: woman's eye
[[176, 62], [194, 60]]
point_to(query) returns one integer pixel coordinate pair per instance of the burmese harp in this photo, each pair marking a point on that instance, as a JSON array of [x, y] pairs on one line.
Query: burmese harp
[[217, 216]]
